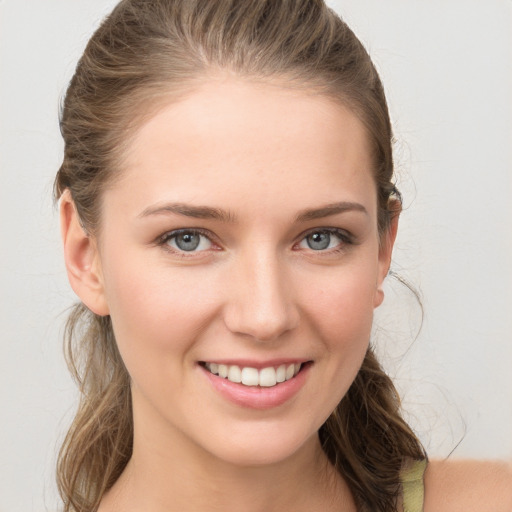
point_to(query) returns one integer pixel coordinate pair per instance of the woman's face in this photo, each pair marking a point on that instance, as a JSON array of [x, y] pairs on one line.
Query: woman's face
[[242, 239]]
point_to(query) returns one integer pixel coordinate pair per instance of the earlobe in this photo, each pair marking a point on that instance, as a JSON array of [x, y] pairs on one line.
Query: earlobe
[[379, 296], [387, 243], [81, 258]]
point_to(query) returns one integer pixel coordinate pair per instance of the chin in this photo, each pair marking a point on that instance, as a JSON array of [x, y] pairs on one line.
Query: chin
[[263, 447]]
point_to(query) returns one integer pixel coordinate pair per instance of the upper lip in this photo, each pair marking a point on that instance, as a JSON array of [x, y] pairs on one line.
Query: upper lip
[[250, 363]]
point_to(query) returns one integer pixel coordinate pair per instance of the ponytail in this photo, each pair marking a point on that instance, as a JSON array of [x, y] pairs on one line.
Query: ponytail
[[367, 440], [99, 442]]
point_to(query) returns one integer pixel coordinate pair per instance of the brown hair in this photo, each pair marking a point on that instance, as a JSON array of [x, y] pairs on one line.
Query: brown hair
[[147, 49]]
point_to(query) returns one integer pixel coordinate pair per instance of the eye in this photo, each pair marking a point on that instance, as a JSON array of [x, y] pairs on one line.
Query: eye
[[188, 240], [323, 239]]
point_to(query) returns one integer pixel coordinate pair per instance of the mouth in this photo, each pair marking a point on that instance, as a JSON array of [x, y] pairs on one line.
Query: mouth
[[266, 377]]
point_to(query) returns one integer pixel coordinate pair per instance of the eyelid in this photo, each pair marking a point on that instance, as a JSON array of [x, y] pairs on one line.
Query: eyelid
[[168, 235], [345, 236]]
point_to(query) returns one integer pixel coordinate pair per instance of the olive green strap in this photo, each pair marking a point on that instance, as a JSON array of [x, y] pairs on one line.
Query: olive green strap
[[413, 487]]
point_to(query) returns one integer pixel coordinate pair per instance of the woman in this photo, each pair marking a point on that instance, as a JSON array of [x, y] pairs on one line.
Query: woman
[[228, 215]]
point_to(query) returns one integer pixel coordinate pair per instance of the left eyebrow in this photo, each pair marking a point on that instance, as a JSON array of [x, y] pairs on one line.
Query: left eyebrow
[[187, 210], [330, 209]]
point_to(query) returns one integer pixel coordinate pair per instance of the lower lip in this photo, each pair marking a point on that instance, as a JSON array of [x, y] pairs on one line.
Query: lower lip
[[256, 397]]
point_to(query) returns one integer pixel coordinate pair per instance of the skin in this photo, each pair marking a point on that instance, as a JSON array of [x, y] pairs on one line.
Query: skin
[[254, 290], [468, 485]]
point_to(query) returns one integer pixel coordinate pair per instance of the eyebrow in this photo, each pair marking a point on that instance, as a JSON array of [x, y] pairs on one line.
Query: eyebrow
[[197, 212], [207, 212], [330, 209]]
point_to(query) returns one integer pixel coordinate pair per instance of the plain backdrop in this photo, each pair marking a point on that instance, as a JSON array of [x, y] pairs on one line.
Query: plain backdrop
[[446, 67]]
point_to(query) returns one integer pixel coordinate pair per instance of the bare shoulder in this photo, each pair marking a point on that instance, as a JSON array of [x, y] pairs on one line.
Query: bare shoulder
[[468, 485]]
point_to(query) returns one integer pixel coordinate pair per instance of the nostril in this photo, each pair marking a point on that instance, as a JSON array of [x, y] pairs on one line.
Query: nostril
[[258, 327], [260, 303]]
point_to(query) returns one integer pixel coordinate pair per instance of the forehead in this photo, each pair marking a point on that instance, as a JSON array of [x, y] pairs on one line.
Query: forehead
[[232, 140]]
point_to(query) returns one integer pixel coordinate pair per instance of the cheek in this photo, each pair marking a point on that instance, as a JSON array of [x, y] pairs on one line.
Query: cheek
[[156, 313], [343, 317], [343, 303], [338, 313]]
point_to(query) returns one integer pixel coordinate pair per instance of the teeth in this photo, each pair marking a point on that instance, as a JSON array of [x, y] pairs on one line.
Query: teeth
[[250, 377], [266, 377], [234, 374], [281, 373], [223, 371]]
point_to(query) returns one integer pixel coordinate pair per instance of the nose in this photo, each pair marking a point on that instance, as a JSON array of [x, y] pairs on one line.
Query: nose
[[261, 302]]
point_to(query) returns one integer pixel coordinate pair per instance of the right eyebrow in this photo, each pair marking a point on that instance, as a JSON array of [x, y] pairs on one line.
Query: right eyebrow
[[197, 212], [330, 209]]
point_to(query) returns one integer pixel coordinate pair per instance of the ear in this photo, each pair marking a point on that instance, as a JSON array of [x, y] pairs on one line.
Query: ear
[[387, 241], [81, 258]]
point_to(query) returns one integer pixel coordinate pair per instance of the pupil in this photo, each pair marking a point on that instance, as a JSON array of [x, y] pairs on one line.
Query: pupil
[[319, 241], [187, 241]]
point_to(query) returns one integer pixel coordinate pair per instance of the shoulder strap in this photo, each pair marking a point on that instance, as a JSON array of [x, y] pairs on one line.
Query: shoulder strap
[[412, 486]]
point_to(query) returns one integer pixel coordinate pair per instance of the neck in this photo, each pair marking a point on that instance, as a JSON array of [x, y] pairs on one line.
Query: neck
[[175, 475]]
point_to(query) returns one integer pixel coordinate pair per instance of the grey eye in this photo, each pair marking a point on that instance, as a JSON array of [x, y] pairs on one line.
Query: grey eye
[[324, 239], [318, 241], [189, 241]]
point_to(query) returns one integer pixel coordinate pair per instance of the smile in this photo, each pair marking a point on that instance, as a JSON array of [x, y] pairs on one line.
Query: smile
[[265, 377]]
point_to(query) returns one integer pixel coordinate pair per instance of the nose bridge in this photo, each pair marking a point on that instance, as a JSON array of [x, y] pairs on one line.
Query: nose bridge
[[261, 303]]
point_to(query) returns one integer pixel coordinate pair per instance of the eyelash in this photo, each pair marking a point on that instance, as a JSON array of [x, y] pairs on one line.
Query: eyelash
[[344, 237], [164, 240]]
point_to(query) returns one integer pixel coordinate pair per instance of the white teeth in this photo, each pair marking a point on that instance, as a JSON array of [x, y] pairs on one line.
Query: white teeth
[[250, 377], [234, 374], [223, 371], [266, 377]]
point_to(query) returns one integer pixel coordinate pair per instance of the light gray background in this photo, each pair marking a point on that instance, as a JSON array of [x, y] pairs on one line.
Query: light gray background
[[446, 66]]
